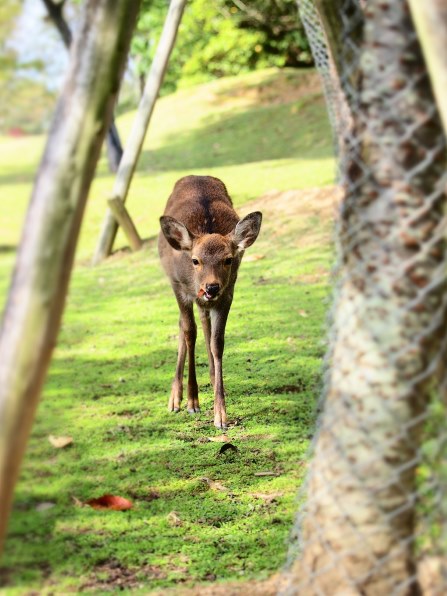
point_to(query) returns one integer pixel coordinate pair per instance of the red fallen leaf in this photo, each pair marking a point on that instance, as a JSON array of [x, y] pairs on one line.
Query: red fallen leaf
[[110, 502], [200, 293]]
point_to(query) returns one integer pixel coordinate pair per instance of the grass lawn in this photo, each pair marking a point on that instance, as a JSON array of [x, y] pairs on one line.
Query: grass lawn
[[199, 515]]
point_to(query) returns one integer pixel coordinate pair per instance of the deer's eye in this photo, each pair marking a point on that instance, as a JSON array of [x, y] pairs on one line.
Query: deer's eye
[[195, 262], [228, 261]]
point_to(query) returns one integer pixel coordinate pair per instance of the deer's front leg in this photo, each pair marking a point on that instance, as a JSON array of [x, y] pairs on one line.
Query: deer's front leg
[[187, 342], [218, 321], [206, 325], [176, 396]]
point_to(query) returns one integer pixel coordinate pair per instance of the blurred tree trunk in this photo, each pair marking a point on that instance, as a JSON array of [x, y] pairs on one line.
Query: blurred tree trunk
[[37, 295], [358, 531], [114, 146]]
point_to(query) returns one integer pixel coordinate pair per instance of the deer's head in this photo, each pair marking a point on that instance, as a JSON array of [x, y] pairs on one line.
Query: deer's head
[[213, 257]]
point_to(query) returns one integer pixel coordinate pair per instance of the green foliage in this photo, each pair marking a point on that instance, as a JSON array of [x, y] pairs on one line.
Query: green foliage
[[30, 111], [220, 38], [9, 10]]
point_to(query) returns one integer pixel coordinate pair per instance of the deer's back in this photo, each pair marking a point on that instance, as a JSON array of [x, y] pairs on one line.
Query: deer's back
[[203, 205]]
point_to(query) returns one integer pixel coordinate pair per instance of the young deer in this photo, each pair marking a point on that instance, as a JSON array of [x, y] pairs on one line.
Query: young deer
[[201, 245]]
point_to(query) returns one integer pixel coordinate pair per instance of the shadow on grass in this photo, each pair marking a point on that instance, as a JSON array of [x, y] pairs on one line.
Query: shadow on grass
[[125, 442]]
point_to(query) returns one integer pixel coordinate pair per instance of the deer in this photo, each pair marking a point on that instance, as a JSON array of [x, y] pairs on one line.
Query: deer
[[201, 245]]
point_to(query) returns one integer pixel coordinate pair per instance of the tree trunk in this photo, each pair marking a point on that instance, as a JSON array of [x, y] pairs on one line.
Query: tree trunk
[[37, 295], [140, 126], [114, 146], [358, 530]]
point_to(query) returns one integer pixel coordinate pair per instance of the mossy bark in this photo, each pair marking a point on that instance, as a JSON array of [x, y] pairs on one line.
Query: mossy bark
[[37, 295], [359, 527]]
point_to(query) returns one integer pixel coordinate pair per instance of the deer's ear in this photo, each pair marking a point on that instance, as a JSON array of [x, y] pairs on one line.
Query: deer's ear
[[247, 230], [178, 235]]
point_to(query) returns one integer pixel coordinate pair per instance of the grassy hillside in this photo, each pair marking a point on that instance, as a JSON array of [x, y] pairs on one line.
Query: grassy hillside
[[199, 515]]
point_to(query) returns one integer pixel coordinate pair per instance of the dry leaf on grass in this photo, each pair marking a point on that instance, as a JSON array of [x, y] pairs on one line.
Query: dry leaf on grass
[[60, 442], [228, 447], [303, 313], [111, 502], [174, 519], [219, 439], [214, 485]]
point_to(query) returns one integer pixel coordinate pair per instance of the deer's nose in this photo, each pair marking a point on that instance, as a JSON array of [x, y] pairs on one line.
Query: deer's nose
[[212, 289]]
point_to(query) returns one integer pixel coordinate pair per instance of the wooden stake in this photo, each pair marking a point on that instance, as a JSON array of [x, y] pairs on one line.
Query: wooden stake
[[122, 216]]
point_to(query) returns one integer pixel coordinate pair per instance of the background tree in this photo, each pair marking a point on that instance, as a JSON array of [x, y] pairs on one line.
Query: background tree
[[33, 102], [223, 37], [56, 14]]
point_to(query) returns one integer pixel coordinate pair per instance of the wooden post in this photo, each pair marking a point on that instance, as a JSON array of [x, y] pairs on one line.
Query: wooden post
[[135, 142], [430, 20], [122, 216], [36, 299]]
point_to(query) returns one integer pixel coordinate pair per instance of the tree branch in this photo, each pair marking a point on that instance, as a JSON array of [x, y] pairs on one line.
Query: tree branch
[[55, 13]]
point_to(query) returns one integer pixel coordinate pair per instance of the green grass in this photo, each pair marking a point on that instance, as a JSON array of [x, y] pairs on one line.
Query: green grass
[[111, 373]]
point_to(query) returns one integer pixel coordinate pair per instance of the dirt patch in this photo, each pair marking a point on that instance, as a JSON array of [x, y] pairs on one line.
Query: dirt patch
[[285, 86], [113, 576], [308, 215], [306, 202]]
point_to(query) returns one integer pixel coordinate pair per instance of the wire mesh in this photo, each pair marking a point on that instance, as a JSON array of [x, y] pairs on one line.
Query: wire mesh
[[373, 514]]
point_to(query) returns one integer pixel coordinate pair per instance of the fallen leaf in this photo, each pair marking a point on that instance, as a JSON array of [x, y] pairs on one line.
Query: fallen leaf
[[60, 442], [303, 313], [214, 485], [174, 519], [111, 502], [219, 439], [45, 506], [228, 447], [269, 473], [267, 497], [249, 258]]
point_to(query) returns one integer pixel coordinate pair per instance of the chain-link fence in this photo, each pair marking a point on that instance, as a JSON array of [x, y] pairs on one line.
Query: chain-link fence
[[373, 519]]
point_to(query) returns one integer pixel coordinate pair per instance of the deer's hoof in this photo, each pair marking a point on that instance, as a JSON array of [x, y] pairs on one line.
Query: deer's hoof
[[193, 410], [173, 409]]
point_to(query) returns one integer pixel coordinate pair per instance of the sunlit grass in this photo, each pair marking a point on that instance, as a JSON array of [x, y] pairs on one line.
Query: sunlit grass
[[112, 368]]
